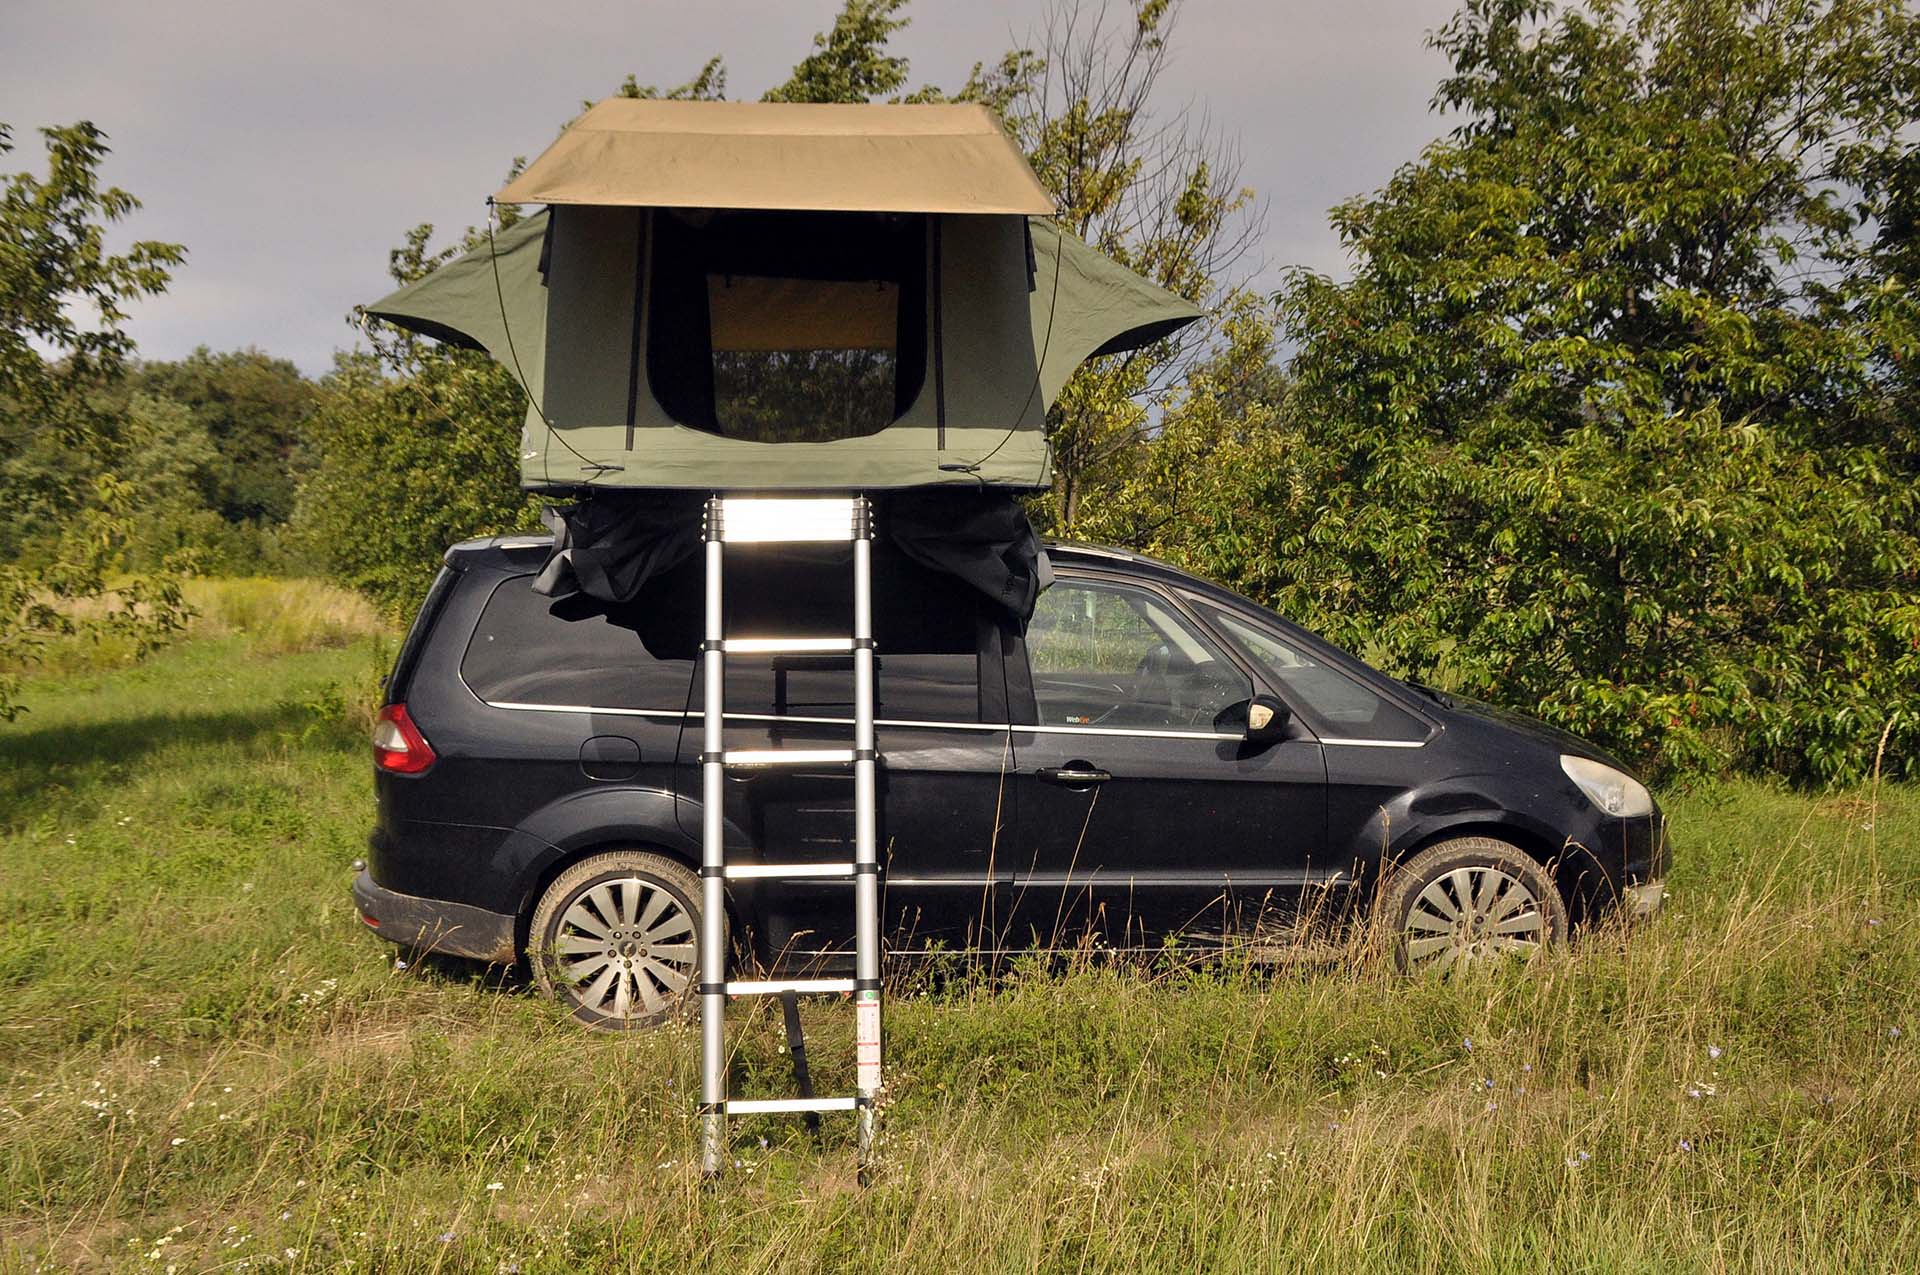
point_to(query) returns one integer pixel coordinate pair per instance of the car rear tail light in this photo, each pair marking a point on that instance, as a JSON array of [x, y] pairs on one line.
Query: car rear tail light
[[398, 745]]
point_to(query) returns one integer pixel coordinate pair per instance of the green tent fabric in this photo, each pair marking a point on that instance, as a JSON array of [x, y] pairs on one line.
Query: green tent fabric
[[490, 299], [786, 296], [1001, 369]]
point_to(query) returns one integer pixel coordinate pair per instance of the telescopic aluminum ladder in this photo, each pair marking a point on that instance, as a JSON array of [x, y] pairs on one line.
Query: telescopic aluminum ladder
[[758, 520]]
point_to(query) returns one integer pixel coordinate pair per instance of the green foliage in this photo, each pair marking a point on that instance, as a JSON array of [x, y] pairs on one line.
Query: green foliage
[[214, 438], [1613, 422], [708, 86], [1200, 490], [60, 288], [175, 456], [1152, 189], [409, 464], [410, 449], [63, 292], [252, 408], [849, 62]]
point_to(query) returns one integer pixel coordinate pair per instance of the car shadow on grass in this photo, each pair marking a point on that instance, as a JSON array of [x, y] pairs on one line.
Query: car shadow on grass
[[440, 967]]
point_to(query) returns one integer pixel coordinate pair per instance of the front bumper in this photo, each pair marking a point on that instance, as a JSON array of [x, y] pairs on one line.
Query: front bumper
[[434, 925]]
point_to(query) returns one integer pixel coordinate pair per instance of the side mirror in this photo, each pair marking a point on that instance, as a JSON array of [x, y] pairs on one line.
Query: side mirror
[[1260, 720]]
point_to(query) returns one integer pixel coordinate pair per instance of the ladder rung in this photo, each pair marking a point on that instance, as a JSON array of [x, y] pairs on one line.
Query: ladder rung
[[804, 986], [787, 756], [786, 519], [786, 645], [752, 1106], [751, 871]]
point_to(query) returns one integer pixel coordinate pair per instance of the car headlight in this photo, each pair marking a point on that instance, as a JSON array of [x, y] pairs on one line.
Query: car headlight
[[1614, 791]]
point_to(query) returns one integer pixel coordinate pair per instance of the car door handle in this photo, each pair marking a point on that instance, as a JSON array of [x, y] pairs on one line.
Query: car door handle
[[1075, 775]]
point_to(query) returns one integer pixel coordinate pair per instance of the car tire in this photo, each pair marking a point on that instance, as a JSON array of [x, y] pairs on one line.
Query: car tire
[[1469, 901], [616, 939]]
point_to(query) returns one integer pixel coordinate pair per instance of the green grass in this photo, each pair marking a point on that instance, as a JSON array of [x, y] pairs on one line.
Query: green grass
[[205, 1064]]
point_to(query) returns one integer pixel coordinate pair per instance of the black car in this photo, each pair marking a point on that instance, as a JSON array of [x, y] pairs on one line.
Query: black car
[[1152, 756]]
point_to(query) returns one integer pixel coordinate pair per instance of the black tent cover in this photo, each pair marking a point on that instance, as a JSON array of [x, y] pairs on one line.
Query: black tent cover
[[608, 546]]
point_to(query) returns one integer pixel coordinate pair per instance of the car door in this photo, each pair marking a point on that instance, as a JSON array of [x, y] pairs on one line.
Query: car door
[[941, 731], [1371, 740], [1135, 816]]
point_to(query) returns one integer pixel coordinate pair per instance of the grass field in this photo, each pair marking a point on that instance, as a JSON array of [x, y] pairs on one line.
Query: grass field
[[206, 1065]]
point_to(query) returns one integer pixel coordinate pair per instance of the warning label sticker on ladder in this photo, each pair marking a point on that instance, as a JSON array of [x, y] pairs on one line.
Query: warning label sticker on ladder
[[866, 1040]]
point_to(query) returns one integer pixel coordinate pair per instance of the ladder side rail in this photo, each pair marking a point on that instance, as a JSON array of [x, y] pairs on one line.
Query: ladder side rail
[[866, 849], [776, 521], [713, 956]]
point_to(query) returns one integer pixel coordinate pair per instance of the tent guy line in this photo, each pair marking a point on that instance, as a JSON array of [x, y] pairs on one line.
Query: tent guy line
[[506, 327]]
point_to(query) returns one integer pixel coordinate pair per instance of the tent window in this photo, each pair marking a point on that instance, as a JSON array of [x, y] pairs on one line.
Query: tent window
[[787, 327]]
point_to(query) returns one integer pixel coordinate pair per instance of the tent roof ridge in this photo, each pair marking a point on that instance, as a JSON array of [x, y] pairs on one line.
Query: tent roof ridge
[[933, 157], [949, 118]]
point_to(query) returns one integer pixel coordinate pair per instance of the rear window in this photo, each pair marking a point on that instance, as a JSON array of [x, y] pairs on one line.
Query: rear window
[[527, 649], [396, 683]]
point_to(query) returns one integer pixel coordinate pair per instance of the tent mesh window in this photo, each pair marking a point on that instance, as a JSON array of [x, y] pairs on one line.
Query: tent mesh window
[[787, 327]]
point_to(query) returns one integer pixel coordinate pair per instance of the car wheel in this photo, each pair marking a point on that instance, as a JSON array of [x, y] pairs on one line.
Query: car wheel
[[616, 939], [1469, 901]]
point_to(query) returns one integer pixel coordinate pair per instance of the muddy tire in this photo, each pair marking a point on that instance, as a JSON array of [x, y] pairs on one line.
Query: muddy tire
[[616, 939], [1472, 900]]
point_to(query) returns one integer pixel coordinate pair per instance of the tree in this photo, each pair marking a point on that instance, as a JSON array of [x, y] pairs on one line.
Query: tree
[[1613, 421], [61, 291], [253, 408], [708, 86], [1158, 192], [1198, 490], [172, 521], [848, 63], [412, 451]]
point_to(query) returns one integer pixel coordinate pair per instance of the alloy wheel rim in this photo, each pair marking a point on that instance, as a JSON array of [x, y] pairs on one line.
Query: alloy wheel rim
[[1472, 915], [624, 948]]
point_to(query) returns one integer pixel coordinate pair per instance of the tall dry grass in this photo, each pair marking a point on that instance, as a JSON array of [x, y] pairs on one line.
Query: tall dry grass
[[206, 1064], [269, 616]]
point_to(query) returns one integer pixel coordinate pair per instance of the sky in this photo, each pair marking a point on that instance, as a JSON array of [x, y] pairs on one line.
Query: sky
[[290, 145]]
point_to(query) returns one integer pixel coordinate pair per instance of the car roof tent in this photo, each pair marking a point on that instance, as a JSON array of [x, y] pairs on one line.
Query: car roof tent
[[726, 295]]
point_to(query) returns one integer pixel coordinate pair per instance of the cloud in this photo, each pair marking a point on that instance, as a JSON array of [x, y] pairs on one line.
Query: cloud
[[290, 146]]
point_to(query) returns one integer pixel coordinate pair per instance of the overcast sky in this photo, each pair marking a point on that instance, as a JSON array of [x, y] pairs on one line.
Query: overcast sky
[[289, 145]]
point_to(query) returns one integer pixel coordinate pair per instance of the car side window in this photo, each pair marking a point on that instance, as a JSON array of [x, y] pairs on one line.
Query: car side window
[[524, 651], [909, 684], [529, 649], [1111, 655], [1347, 708], [926, 629]]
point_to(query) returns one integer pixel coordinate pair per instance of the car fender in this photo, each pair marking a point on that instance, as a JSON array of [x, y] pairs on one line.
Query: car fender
[[601, 816], [1463, 805]]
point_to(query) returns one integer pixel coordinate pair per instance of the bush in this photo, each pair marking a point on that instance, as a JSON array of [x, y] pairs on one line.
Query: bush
[[407, 465], [1612, 422]]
